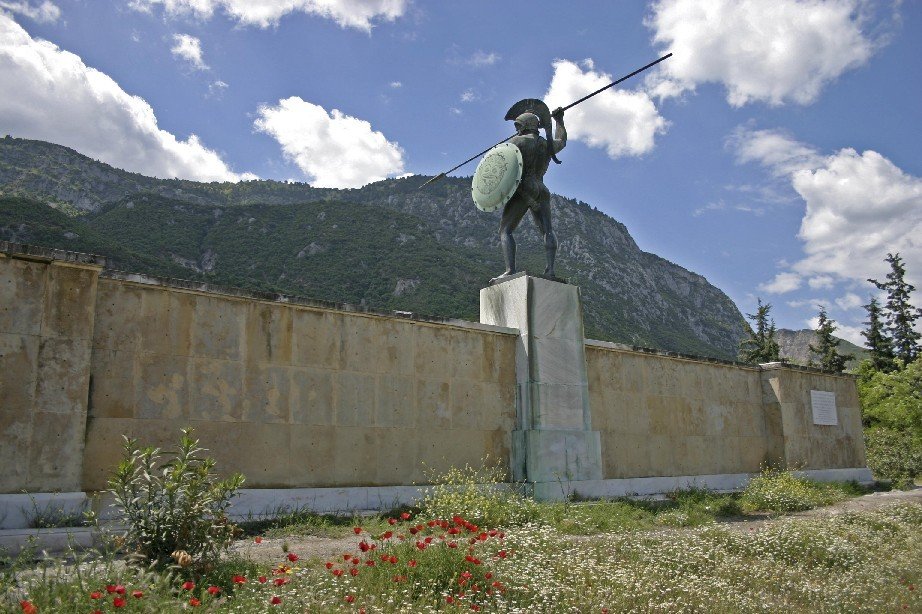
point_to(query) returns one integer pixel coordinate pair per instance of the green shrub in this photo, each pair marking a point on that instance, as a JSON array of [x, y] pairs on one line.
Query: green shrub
[[895, 456], [174, 508], [780, 491], [478, 494]]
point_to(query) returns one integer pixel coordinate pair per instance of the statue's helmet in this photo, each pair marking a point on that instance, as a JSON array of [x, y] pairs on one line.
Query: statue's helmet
[[527, 122]]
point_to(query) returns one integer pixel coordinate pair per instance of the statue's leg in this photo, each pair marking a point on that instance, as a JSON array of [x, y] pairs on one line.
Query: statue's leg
[[512, 215], [542, 216]]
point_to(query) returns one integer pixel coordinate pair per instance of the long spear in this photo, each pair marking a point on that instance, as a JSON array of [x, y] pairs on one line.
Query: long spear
[[572, 104]]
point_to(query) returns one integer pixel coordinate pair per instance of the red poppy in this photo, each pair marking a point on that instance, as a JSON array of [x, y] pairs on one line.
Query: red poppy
[[119, 589], [110, 588], [370, 563], [363, 546], [493, 532], [357, 530], [188, 586], [350, 598], [292, 557], [388, 534], [488, 575], [239, 580], [413, 530], [258, 539], [119, 602], [329, 565], [392, 521], [194, 602], [213, 590], [458, 519], [95, 595], [399, 578], [405, 515], [355, 560], [28, 607], [262, 579], [428, 540], [97, 611], [475, 607], [432, 523], [412, 563], [354, 571], [454, 531], [501, 554], [280, 581], [137, 594], [452, 544], [449, 599], [393, 560], [275, 600], [337, 572]]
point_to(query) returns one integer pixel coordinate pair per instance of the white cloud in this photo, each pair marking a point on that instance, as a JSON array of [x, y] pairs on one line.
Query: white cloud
[[849, 301], [189, 48], [396, 84], [468, 95], [774, 51], [455, 111], [622, 122], [859, 207], [783, 282], [332, 149], [359, 14], [216, 88], [820, 282], [482, 58], [61, 99], [46, 12], [842, 331]]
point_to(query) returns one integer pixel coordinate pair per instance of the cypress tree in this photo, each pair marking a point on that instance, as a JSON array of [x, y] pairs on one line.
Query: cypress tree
[[876, 339], [827, 347], [901, 316], [761, 345]]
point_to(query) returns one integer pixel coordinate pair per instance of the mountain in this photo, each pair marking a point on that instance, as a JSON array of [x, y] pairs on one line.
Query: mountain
[[388, 245], [795, 347]]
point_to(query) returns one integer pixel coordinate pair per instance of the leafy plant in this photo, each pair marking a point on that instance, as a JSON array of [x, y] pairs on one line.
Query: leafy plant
[[175, 508], [894, 455], [479, 495], [780, 490]]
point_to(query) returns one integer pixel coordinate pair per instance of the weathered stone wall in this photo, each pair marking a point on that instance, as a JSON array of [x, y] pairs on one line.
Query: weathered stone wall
[[297, 393], [786, 395], [293, 395], [47, 307], [664, 416]]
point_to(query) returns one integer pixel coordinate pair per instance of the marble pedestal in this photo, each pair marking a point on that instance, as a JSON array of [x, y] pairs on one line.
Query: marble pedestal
[[553, 440]]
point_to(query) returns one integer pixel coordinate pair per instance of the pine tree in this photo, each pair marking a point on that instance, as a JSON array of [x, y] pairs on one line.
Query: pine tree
[[901, 315], [877, 340], [827, 347], [761, 345]]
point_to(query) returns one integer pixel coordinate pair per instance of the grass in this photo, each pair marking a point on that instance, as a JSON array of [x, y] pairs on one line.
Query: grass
[[549, 557]]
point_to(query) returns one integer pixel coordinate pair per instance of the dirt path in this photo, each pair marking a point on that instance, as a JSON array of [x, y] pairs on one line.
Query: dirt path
[[327, 548]]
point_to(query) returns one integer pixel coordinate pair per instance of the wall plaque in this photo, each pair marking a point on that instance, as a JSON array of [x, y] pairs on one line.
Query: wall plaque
[[824, 407]]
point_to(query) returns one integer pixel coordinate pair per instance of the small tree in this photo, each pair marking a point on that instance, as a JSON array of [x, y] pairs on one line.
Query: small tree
[[761, 345], [876, 339], [901, 315], [174, 507], [827, 346]]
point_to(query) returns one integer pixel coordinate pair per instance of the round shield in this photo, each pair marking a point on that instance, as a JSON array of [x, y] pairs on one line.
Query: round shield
[[497, 177]]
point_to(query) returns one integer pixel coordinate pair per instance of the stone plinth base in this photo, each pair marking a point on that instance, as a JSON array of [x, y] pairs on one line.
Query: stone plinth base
[[554, 456]]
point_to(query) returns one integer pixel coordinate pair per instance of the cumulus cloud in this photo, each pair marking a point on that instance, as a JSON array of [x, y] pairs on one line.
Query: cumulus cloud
[[859, 207], [783, 282], [359, 14], [58, 98], [773, 51], [189, 48], [333, 150], [622, 122], [842, 331], [46, 12]]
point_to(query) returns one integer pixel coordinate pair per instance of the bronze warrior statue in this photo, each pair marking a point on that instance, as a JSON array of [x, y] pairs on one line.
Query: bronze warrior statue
[[531, 193]]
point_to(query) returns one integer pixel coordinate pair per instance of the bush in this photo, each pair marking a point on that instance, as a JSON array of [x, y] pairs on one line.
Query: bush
[[780, 491], [174, 508], [479, 495], [895, 456]]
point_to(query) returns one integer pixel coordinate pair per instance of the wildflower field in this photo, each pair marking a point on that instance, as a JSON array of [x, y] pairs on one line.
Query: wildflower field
[[475, 545]]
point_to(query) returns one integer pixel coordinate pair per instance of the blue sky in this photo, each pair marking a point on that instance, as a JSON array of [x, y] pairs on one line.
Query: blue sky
[[777, 153]]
